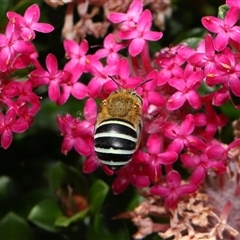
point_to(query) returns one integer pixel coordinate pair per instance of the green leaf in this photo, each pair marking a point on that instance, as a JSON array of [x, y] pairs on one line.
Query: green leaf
[[37, 195], [7, 187], [192, 37], [222, 10], [9, 191], [134, 201], [13, 227], [229, 110], [97, 195], [193, 42], [63, 175], [32, 198], [45, 214], [64, 221], [49, 111]]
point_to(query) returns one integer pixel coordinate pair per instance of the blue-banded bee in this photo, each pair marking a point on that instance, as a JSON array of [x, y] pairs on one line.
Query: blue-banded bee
[[118, 127]]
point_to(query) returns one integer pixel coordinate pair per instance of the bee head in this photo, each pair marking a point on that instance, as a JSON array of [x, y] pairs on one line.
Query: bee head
[[130, 91]]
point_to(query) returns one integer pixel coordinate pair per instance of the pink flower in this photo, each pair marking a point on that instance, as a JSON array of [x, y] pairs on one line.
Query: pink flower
[[142, 33], [9, 123], [130, 18], [225, 29], [187, 84], [170, 62], [227, 72], [53, 77], [152, 99], [11, 46], [100, 74], [233, 3], [24, 60], [21, 97], [182, 135], [221, 96], [91, 163], [205, 58], [132, 173], [76, 53], [211, 120], [26, 113], [110, 49], [173, 189], [72, 86], [155, 157], [74, 137], [29, 22], [212, 159], [122, 70], [26, 96], [78, 134]]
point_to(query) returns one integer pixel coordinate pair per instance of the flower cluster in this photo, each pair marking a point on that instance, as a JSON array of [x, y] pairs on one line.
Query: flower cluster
[[183, 87], [90, 12], [19, 102], [195, 218], [210, 213], [180, 121]]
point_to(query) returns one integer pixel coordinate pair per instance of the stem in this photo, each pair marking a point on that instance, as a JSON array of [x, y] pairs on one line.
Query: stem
[[146, 60], [37, 64], [168, 168], [67, 30], [135, 65]]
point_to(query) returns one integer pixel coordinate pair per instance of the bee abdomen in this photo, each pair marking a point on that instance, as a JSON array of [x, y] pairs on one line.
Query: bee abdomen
[[115, 142]]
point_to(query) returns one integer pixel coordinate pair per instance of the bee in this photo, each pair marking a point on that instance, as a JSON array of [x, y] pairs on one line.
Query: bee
[[118, 128]]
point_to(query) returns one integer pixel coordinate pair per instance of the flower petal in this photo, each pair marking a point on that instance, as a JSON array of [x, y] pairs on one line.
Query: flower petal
[[212, 24], [160, 191], [51, 63], [6, 139], [82, 147], [154, 144], [221, 41], [231, 16], [79, 90], [19, 126], [53, 91], [90, 110], [153, 36], [42, 27], [136, 46], [176, 101], [32, 14]]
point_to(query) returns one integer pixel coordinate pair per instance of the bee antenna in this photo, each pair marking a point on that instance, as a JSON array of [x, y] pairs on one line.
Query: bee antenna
[[114, 80], [141, 83]]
